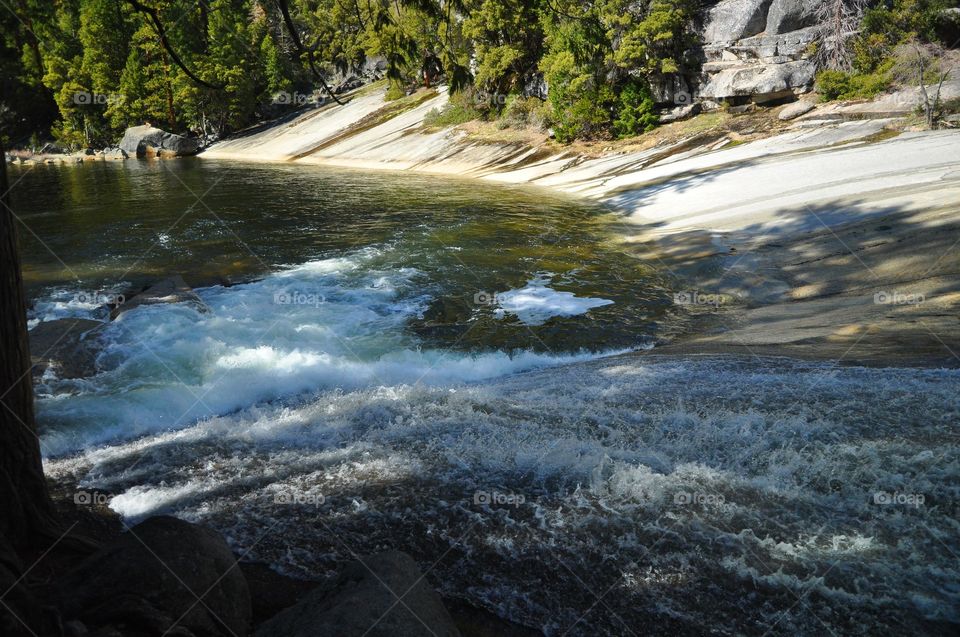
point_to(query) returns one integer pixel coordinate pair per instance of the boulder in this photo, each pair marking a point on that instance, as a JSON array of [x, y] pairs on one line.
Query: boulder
[[362, 600], [680, 113], [348, 83], [790, 15], [731, 20], [271, 592], [163, 576], [138, 140], [761, 82], [115, 153], [67, 347], [22, 614], [374, 67], [798, 108], [170, 290]]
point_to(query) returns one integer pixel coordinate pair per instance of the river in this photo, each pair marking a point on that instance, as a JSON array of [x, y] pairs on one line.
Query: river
[[444, 367]]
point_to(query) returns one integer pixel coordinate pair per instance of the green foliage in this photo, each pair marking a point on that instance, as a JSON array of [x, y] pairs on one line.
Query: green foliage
[[459, 110], [524, 112], [600, 61], [843, 85], [636, 114], [884, 27], [507, 41], [395, 91]]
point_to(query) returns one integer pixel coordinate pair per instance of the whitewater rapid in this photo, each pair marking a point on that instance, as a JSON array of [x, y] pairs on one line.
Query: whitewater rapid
[[691, 496], [331, 323]]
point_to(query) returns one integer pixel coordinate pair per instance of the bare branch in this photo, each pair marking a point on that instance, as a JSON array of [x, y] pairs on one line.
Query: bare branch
[[162, 34]]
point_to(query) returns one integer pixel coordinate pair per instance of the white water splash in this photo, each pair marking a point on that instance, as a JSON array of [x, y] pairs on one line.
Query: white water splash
[[748, 483], [535, 303]]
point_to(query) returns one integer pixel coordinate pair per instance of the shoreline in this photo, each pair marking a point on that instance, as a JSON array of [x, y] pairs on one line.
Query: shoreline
[[801, 257]]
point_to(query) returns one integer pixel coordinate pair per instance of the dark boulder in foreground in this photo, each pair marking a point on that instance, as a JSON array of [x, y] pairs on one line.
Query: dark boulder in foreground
[[68, 347], [147, 141], [163, 576], [20, 613], [363, 600]]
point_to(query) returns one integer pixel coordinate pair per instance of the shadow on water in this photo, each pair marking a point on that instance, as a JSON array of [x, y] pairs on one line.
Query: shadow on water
[[779, 463]]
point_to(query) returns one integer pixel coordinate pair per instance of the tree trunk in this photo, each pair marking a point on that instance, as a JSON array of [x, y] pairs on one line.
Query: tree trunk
[[26, 511]]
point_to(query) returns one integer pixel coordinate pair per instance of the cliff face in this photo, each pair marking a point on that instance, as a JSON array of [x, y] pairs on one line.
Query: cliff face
[[756, 50]]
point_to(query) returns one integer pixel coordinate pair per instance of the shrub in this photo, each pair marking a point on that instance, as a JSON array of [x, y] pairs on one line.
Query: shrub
[[523, 112], [459, 110], [395, 92], [843, 85], [636, 113]]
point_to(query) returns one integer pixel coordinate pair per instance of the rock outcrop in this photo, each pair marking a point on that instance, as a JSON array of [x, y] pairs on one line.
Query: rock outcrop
[[170, 290], [147, 141], [757, 50], [731, 20], [790, 15], [801, 107], [363, 600], [163, 576], [67, 347]]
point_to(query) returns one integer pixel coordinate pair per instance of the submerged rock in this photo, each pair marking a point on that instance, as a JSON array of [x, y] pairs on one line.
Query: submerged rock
[[139, 141], [163, 576], [363, 600], [170, 290], [67, 347]]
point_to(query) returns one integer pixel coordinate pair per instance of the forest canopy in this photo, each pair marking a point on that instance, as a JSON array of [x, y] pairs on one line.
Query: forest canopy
[[89, 68], [84, 70]]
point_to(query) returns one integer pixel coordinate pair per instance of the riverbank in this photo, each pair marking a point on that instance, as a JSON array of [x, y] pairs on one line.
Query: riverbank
[[826, 236]]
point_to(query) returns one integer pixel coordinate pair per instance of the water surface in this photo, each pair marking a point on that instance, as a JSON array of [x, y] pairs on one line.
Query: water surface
[[312, 279], [349, 381]]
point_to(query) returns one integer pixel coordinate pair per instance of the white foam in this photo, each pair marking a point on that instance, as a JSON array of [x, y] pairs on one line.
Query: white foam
[[333, 323], [536, 303], [600, 452]]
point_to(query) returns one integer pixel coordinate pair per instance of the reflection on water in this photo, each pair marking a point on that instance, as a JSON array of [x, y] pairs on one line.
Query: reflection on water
[[122, 226], [310, 279]]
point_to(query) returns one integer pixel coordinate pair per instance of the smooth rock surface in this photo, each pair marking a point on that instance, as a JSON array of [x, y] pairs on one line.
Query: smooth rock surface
[[796, 109], [732, 20]]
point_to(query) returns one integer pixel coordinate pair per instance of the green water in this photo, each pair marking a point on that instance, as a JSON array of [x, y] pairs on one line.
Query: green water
[[120, 226]]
